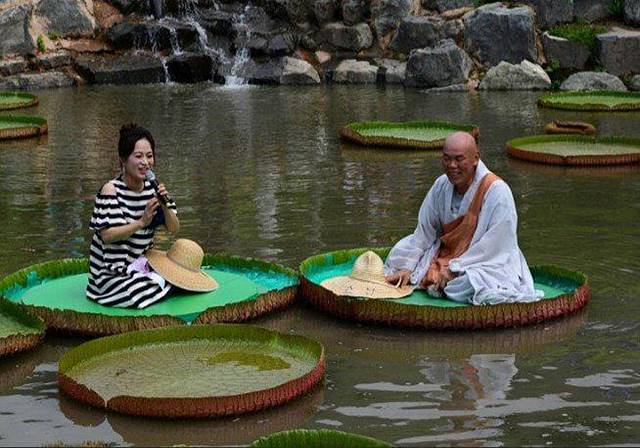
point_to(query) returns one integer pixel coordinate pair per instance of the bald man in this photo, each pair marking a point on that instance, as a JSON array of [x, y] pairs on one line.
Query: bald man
[[465, 246]]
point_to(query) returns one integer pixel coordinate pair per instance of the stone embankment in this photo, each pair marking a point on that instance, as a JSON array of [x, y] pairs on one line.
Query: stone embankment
[[435, 44]]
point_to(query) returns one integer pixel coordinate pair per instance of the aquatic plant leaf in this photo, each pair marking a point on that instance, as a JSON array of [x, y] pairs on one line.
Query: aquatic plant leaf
[[16, 100], [12, 126], [18, 330], [319, 438], [592, 101]]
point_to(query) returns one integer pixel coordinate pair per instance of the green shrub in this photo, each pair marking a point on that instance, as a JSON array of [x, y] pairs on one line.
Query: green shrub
[[583, 33], [53, 35], [40, 43], [617, 9]]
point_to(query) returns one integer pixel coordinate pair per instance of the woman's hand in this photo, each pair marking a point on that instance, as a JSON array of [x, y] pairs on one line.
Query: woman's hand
[[162, 192], [149, 212], [400, 278]]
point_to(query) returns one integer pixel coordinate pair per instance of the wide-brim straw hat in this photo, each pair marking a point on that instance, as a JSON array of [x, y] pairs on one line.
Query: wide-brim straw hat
[[180, 266], [366, 280]]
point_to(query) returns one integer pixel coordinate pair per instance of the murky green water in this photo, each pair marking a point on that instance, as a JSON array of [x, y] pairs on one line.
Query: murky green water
[[260, 172]]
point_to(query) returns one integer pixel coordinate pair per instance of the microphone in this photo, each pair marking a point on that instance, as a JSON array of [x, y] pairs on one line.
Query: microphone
[[154, 183]]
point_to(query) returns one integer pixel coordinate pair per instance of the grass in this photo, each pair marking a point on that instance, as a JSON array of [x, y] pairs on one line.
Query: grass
[[40, 42], [584, 33]]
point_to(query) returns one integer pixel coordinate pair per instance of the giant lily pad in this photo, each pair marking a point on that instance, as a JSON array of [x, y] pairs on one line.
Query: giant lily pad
[[569, 127], [18, 330], [55, 291], [194, 371], [592, 101], [575, 149], [413, 134], [16, 100], [21, 127], [565, 292], [318, 438]]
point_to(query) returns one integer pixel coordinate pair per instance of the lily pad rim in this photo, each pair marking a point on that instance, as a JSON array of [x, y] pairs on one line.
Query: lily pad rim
[[29, 100], [339, 438], [554, 100]]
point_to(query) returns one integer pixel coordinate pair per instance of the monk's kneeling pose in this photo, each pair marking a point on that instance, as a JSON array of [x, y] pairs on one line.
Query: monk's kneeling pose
[[465, 245]]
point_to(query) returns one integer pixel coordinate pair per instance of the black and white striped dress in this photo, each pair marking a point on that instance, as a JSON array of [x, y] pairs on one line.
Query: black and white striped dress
[[109, 282]]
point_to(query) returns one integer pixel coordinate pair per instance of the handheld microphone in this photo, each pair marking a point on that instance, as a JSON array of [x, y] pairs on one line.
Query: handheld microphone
[[154, 183]]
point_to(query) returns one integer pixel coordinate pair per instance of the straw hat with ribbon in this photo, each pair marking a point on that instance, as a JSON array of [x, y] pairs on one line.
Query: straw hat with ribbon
[[180, 266], [366, 280]]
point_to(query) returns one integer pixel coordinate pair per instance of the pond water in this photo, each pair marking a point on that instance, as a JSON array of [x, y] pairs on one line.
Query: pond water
[[261, 172]]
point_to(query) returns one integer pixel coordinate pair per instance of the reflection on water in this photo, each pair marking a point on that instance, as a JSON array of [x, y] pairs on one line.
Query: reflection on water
[[261, 172]]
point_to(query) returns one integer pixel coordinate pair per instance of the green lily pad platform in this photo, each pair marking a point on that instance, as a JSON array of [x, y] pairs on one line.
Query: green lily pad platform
[[16, 100], [192, 371], [565, 292], [592, 101], [575, 150], [318, 438], [412, 134], [18, 330], [55, 292], [12, 126]]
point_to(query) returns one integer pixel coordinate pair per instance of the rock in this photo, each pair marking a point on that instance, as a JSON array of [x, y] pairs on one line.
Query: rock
[[494, 33], [620, 51], [446, 5], [67, 17], [353, 11], [439, 66], [551, 12], [569, 54], [322, 56], [298, 11], [453, 29], [523, 76], [592, 10], [456, 13], [155, 36], [50, 61], [299, 72], [14, 30], [10, 67], [342, 37], [632, 11], [217, 22], [417, 32], [324, 11], [268, 72], [190, 67], [392, 71], [447, 89], [351, 71], [127, 69], [36, 81], [131, 6], [387, 14], [591, 81], [634, 83]]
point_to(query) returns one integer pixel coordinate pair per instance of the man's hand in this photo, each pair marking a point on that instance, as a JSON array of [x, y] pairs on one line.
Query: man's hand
[[400, 278]]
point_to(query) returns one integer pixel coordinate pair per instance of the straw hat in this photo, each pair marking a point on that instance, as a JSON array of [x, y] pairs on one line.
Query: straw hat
[[180, 266], [366, 280]]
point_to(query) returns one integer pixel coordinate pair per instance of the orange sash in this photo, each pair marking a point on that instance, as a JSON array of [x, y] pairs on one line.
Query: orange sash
[[456, 238]]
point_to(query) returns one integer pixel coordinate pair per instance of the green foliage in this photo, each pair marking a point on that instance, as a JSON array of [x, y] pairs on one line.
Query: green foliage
[[583, 33], [53, 35], [319, 438], [40, 43], [617, 9], [555, 73]]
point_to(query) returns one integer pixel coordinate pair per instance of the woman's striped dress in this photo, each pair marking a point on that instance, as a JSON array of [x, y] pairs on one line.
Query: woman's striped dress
[[109, 282]]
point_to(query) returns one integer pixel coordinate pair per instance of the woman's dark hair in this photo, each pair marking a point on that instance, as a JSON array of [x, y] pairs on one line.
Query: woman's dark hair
[[129, 134]]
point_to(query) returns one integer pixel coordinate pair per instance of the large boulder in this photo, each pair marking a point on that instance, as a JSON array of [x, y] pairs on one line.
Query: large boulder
[[353, 11], [439, 66], [36, 81], [351, 71], [337, 36], [593, 81], [632, 11], [67, 17], [12, 66], [592, 10], [127, 69], [523, 76], [417, 32], [155, 36], [392, 71], [190, 67], [551, 12], [495, 33], [620, 51], [634, 83], [387, 14], [568, 54], [446, 5], [50, 61], [14, 30], [298, 72]]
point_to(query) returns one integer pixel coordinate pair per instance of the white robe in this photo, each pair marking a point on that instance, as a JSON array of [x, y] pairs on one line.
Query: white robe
[[494, 264]]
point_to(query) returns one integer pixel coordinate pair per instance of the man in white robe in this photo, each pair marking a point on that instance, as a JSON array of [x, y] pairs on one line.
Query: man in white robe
[[492, 269]]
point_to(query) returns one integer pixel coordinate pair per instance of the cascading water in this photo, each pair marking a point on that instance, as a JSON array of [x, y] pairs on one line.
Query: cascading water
[[243, 54]]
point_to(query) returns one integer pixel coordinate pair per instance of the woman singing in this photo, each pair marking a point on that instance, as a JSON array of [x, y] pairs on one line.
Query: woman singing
[[126, 214]]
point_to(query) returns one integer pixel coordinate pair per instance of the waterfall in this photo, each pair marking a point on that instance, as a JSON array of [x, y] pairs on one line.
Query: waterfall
[[242, 56]]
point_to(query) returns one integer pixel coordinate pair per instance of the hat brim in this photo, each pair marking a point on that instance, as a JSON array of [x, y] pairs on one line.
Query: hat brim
[[196, 281], [348, 286]]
